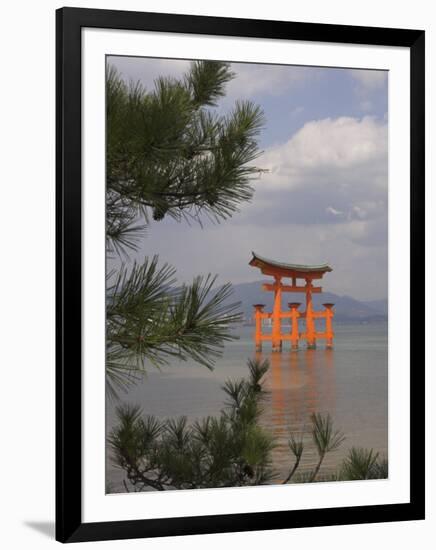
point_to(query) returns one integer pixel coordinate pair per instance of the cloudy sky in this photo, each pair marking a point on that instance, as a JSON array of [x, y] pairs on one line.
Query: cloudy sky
[[324, 197]]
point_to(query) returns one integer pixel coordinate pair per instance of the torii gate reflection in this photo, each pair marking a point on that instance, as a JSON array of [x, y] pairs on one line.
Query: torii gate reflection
[[299, 384]]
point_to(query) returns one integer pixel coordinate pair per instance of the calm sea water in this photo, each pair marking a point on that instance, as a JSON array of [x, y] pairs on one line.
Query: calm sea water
[[350, 382]]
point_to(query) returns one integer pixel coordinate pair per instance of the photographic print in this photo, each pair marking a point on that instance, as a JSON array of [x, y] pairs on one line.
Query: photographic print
[[246, 274], [240, 233]]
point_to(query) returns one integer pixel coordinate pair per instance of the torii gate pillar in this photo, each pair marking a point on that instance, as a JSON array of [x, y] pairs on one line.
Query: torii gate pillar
[[276, 316]]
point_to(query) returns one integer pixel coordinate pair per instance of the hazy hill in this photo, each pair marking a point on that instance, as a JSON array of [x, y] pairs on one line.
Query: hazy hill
[[381, 306]]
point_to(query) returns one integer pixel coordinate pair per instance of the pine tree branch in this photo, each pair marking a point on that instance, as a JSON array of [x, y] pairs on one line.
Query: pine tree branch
[[166, 151], [222, 451], [150, 321]]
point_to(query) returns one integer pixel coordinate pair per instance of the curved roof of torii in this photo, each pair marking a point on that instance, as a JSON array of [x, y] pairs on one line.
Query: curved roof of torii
[[287, 269]]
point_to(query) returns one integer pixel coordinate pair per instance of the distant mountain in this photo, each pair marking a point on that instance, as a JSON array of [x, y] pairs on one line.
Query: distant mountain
[[381, 306], [346, 309]]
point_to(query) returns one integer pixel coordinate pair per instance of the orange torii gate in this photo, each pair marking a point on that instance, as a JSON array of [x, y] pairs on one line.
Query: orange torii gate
[[294, 272]]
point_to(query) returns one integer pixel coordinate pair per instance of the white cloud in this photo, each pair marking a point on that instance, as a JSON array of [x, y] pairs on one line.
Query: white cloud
[[368, 84], [344, 150], [330, 180], [331, 210]]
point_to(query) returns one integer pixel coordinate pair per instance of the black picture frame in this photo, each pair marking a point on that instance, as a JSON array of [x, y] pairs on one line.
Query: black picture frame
[[69, 525]]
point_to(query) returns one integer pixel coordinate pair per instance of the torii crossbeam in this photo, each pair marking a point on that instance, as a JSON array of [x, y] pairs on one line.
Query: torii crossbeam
[[294, 272]]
